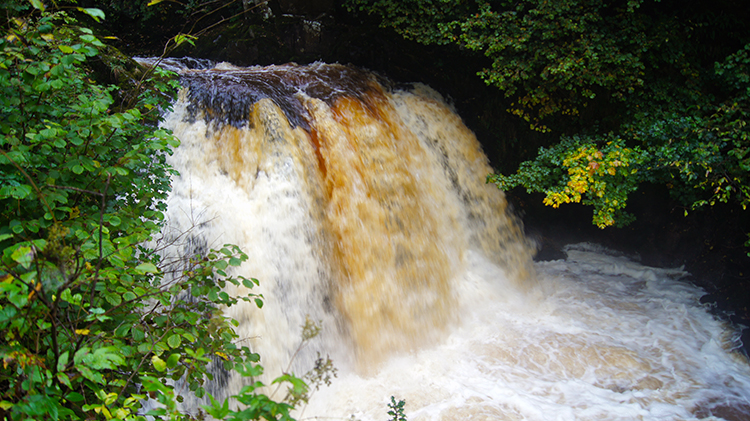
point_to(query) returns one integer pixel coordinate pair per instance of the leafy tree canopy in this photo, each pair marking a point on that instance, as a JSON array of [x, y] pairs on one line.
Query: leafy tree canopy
[[659, 91]]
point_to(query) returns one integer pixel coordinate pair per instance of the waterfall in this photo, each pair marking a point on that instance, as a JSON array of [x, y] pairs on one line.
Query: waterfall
[[362, 205]]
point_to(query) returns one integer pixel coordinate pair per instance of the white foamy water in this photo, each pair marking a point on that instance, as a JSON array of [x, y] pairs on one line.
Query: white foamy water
[[366, 210], [604, 339]]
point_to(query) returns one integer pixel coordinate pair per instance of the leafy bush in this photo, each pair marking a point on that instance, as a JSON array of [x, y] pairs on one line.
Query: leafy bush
[[93, 324], [701, 154]]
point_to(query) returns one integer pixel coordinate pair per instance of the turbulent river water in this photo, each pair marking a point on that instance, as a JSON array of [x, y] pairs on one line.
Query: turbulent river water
[[362, 205]]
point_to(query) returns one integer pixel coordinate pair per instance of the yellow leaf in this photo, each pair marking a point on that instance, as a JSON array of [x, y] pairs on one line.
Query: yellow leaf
[[36, 289], [110, 398], [83, 332]]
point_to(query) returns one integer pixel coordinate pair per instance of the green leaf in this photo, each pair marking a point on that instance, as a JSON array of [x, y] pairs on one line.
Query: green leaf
[[64, 379], [106, 358], [17, 191], [173, 360], [159, 364], [179, 39], [16, 227], [74, 397], [122, 331], [174, 341], [62, 361], [146, 268], [37, 4], [90, 374], [97, 14], [138, 334], [114, 299], [23, 256]]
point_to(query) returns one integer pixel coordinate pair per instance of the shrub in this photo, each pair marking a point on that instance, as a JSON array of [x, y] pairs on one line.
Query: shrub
[[93, 323]]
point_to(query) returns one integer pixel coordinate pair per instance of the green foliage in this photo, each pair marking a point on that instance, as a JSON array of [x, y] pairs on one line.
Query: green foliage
[[257, 406], [669, 87], [396, 410], [579, 170], [93, 324], [551, 57], [701, 155]]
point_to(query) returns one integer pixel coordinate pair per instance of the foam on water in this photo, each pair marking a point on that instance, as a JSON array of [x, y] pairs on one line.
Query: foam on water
[[609, 339]]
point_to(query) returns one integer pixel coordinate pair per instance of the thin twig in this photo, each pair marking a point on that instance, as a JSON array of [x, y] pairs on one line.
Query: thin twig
[[101, 237]]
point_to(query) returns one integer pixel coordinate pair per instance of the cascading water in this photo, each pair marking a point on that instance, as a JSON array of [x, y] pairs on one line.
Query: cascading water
[[364, 207]]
